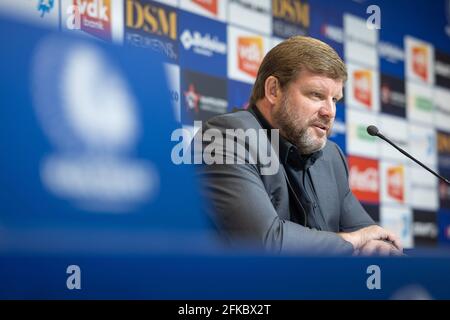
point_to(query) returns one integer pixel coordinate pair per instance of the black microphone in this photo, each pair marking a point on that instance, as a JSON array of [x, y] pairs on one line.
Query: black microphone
[[373, 131]]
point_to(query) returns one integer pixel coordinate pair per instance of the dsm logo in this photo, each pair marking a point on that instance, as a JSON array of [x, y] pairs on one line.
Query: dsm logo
[[152, 26], [151, 18]]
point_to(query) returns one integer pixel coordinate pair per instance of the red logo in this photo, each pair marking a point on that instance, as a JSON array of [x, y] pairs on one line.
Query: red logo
[[95, 17], [420, 61], [209, 5], [192, 98], [364, 179]]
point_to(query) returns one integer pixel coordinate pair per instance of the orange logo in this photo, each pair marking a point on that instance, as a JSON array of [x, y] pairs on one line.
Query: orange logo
[[420, 61], [362, 90], [95, 16], [210, 5], [395, 183], [363, 179], [250, 53]]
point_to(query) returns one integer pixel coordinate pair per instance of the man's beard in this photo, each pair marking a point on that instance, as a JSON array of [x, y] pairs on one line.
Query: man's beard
[[295, 129]]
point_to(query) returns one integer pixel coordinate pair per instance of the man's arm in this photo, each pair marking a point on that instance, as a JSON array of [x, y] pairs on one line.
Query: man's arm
[[242, 208], [362, 237], [378, 247]]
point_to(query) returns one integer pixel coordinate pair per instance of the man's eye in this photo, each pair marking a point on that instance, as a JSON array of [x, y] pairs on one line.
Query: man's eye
[[317, 95]]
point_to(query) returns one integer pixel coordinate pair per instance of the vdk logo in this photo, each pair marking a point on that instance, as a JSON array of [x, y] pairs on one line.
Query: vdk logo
[[420, 61], [91, 16], [395, 181], [96, 9], [250, 54], [362, 90]]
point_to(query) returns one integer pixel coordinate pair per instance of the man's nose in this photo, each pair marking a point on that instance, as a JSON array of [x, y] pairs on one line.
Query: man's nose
[[328, 109]]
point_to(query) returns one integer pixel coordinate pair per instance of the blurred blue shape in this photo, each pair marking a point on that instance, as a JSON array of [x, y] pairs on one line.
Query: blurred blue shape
[[85, 158]]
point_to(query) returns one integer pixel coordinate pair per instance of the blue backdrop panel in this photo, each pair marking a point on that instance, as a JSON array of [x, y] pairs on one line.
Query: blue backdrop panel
[[85, 141]]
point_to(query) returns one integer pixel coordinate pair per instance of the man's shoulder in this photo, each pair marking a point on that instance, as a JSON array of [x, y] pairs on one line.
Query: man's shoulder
[[330, 146], [242, 119], [332, 152]]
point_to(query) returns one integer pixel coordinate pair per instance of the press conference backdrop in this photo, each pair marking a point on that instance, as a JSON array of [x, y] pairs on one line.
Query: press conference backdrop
[[399, 80]]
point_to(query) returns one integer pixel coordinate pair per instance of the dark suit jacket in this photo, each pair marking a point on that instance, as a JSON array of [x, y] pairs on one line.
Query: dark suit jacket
[[248, 205]]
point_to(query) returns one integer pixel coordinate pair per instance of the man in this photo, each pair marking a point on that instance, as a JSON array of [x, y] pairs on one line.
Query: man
[[306, 205]]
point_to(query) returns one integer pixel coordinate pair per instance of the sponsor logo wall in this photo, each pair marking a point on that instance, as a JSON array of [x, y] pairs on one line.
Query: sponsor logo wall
[[213, 49]]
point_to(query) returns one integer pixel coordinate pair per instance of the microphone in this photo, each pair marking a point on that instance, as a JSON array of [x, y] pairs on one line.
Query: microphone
[[373, 131]]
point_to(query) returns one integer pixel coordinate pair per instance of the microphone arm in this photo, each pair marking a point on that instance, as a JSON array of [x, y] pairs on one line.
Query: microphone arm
[[373, 131]]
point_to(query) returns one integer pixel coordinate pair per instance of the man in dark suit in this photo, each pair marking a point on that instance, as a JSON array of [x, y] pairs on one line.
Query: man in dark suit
[[301, 200]]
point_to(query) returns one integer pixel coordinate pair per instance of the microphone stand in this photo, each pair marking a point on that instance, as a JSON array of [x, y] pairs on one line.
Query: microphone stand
[[378, 134]]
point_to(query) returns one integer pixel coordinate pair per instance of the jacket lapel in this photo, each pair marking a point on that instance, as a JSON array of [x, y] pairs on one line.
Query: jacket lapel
[[292, 195], [322, 179]]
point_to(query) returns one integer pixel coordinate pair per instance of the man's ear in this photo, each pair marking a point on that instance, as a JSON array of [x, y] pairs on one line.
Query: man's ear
[[272, 89]]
